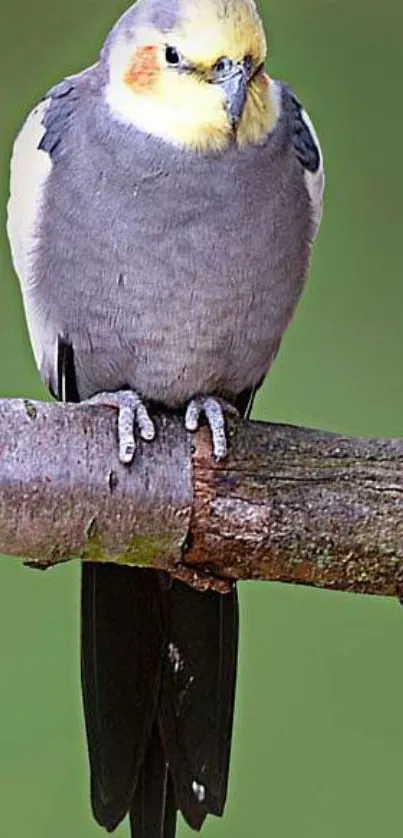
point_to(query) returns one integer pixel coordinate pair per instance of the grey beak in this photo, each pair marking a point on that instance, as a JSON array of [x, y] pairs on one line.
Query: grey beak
[[235, 88]]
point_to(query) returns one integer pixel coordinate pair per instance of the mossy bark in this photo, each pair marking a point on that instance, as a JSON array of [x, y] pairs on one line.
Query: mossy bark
[[288, 504]]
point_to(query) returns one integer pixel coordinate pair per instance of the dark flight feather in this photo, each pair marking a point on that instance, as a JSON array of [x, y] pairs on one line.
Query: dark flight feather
[[197, 697], [304, 142], [153, 812], [121, 655]]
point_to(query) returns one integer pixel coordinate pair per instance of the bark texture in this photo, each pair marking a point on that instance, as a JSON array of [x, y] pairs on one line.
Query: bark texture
[[288, 504]]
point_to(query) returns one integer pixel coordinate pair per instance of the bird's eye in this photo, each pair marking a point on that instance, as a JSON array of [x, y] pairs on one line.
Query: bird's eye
[[172, 56], [223, 65], [248, 63]]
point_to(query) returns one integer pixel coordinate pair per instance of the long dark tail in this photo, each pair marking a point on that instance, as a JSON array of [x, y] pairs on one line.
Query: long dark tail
[[158, 677], [158, 664]]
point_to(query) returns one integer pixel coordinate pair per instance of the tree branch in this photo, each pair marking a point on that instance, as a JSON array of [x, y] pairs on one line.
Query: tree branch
[[289, 504]]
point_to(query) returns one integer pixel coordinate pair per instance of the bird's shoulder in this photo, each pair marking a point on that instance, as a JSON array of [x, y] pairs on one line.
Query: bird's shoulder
[[304, 137], [55, 114], [57, 110], [48, 124], [42, 141], [306, 146]]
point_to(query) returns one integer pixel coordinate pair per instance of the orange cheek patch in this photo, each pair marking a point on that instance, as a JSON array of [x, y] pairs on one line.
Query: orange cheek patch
[[144, 69]]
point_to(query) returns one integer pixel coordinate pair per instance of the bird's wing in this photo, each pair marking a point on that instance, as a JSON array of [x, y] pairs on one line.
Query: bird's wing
[[306, 145], [40, 143], [308, 151]]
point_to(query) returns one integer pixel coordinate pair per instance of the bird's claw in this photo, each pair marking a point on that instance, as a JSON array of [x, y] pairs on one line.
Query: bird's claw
[[213, 409], [131, 412]]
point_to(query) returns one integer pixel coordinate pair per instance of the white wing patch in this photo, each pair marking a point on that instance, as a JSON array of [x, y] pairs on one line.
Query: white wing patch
[[315, 181], [30, 169]]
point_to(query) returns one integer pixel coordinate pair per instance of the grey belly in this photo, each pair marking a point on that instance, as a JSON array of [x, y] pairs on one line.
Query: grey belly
[[179, 348], [170, 335]]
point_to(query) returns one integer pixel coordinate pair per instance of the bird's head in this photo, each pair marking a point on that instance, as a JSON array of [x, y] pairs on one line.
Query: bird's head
[[192, 72]]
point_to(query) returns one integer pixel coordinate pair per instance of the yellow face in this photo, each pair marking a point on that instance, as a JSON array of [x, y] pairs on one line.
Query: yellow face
[[170, 84]]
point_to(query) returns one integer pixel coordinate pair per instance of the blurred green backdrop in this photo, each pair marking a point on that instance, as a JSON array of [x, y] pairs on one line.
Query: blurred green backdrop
[[318, 747]]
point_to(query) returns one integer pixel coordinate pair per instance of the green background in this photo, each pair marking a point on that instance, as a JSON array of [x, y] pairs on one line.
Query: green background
[[318, 747]]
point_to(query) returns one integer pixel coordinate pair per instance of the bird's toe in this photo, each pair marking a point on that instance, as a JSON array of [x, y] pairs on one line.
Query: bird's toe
[[132, 413], [214, 410]]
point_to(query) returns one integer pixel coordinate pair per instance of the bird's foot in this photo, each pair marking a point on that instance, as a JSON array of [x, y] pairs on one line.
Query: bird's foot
[[131, 412], [213, 410]]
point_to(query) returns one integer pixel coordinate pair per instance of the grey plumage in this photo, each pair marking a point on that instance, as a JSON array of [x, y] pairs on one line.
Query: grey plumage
[[163, 15], [237, 224], [175, 273]]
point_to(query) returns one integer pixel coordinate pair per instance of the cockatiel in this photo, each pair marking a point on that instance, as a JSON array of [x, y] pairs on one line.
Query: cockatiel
[[162, 212]]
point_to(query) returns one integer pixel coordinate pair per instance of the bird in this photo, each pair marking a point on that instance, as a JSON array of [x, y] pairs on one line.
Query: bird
[[163, 207]]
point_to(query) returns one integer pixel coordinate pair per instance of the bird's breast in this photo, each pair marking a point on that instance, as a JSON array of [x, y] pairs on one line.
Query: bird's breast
[[175, 282]]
